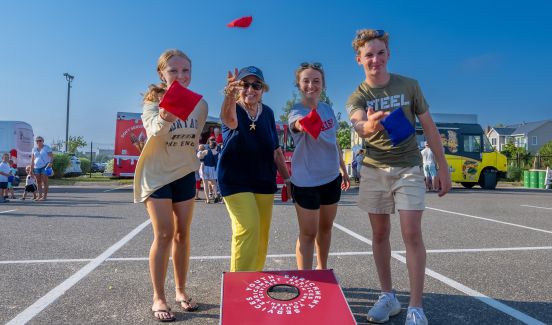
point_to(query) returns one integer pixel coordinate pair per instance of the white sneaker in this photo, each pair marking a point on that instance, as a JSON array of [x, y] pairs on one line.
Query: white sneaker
[[415, 316], [385, 306]]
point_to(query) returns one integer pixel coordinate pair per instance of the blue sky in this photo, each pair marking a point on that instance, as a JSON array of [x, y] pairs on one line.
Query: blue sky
[[491, 58]]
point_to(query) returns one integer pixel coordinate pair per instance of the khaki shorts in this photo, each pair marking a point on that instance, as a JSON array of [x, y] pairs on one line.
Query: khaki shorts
[[382, 190]]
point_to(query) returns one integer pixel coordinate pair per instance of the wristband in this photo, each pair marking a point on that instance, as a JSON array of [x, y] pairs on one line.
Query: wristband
[[287, 181]]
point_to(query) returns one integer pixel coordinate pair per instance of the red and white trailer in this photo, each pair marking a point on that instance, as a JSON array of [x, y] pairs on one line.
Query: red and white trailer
[[130, 138]]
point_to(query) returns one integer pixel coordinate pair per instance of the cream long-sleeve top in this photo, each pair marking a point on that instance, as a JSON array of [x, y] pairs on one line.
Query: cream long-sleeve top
[[170, 151]]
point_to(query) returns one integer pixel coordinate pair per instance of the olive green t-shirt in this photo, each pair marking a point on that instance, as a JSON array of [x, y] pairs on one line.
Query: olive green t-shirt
[[400, 93]]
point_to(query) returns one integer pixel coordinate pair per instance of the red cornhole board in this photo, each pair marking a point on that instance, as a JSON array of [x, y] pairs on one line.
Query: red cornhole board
[[245, 299]]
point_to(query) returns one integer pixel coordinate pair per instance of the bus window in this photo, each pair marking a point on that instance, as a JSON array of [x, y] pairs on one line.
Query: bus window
[[487, 147], [472, 143]]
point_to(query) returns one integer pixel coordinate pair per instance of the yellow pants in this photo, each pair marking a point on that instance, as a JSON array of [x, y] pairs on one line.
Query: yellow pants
[[251, 215]]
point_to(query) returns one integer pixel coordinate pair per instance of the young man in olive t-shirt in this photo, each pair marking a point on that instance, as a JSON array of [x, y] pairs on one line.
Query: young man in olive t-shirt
[[391, 174]]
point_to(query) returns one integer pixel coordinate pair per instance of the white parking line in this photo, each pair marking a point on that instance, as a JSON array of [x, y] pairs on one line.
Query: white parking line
[[58, 291], [492, 220], [227, 257], [532, 206], [458, 286], [8, 211], [118, 188]]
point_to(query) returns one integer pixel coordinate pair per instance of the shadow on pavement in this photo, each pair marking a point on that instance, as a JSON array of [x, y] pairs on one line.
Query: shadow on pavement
[[447, 309]]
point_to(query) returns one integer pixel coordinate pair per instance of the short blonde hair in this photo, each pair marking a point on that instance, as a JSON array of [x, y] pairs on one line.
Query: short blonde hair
[[364, 36]]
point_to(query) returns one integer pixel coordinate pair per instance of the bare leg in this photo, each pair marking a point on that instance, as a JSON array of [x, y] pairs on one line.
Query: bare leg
[[160, 212], [381, 228], [324, 235], [308, 227], [411, 229], [39, 184], [46, 187], [183, 214], [206, 189]]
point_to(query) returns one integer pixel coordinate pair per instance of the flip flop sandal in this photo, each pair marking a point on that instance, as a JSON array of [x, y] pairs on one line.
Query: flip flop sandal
[[188, 302], [163, 320]]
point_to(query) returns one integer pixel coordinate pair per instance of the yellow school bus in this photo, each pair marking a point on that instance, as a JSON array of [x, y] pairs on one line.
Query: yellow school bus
[[471, 158]]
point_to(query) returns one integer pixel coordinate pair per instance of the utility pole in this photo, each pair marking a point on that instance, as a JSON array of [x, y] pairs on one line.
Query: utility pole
[[69, 80]]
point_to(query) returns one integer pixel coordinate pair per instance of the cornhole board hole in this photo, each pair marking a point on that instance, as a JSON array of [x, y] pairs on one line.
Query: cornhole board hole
[[283, 297]]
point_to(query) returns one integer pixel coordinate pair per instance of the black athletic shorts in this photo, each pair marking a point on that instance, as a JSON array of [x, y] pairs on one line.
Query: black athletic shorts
[[312, 198], [3, 185], [180, 190], [30, 188]]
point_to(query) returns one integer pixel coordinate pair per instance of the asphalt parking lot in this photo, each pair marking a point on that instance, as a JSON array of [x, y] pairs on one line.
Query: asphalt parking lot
[[81, 258]]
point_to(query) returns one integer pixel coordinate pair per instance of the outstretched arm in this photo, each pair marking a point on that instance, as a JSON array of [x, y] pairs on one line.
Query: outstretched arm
[[367, 123], [228, 109]]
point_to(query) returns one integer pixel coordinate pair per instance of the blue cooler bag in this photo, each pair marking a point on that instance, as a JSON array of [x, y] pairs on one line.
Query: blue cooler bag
[[398, 127]]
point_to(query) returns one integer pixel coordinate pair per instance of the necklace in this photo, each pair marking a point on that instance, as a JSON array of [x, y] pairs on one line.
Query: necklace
[[253, 119]]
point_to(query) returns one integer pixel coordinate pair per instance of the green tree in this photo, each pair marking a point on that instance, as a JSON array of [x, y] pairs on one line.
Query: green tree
[[74, 143], [287, 107], [85, 165], [344, 135], [546, 154], [516, 154], [60, 164]]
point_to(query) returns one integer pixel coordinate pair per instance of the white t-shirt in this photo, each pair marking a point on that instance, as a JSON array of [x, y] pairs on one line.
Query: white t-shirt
[[41, 158], [30, 180], [427, 156], [170, 151], [315, 162], [4, 168]]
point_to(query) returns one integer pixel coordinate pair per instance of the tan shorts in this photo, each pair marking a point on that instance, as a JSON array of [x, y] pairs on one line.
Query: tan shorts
[[382, 190]]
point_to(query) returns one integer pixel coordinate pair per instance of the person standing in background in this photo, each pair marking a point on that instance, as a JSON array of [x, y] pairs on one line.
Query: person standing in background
[[41, 159], [430, 171]]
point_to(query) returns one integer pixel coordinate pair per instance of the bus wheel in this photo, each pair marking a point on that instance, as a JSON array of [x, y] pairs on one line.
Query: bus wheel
[[488, 180], [468, 185]]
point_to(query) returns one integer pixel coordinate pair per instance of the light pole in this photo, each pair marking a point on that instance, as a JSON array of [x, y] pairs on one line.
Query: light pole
[[69, 79]]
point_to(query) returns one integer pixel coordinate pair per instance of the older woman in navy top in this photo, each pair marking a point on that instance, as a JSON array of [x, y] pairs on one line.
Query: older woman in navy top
[[247, 166]]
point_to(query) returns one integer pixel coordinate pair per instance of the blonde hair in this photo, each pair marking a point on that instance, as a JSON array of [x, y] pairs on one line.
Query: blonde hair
[[155, 92], [364, 36]]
